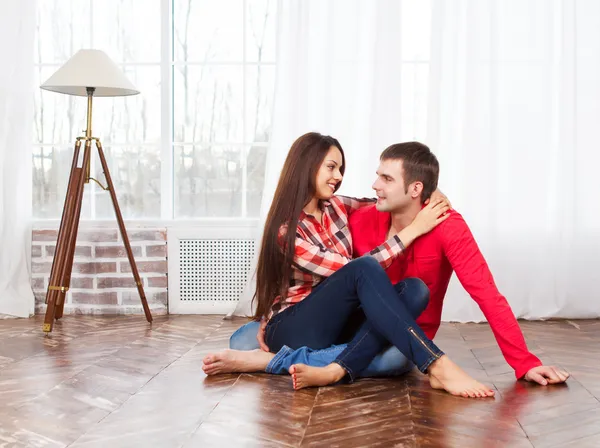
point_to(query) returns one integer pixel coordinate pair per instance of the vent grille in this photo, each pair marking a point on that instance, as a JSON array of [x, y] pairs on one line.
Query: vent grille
[[213, 270]]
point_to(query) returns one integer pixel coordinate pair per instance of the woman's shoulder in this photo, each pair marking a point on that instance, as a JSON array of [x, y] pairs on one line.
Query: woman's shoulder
[[338, 201]]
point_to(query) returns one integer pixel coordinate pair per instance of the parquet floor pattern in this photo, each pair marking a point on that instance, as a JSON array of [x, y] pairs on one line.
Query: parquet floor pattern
[[119, 382]]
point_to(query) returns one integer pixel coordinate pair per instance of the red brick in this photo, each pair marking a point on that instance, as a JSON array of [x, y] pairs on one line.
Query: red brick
[[82, 283], [158, 267], [95, 298], [80, 251], [98, 235], [157, 282], [116, 251], [36, 251], [147, 235], [156, 251], [41, 268], [116, 282], [99, 267], [133, 298], [44, 235], [38, 284]]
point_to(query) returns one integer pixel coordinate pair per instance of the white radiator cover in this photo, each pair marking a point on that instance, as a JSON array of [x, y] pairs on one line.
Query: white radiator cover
[[208, 267]]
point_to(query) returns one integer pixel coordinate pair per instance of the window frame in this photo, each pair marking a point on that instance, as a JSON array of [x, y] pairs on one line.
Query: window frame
[[167, 144]]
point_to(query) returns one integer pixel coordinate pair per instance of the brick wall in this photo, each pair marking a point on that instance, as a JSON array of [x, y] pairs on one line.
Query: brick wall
[[102, 282]]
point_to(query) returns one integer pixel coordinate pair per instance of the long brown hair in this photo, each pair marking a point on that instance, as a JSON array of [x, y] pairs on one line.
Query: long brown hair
[[295, 189]]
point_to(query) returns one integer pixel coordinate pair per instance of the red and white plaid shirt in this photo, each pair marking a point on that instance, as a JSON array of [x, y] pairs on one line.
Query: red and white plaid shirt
[[320, 250]]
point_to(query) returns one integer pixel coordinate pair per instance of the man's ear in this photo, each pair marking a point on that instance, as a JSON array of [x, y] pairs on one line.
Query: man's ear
[[415, 190]]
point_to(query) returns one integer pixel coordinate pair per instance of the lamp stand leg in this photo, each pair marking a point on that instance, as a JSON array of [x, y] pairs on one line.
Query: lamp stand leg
[[113, 196]]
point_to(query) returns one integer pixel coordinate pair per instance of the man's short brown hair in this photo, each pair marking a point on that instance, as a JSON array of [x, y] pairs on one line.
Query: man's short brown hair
[[419, 164]]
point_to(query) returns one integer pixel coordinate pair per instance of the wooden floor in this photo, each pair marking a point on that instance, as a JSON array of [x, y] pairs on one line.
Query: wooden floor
[[117, 382]]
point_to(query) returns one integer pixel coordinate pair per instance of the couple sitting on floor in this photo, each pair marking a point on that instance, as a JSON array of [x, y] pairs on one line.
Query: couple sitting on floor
[[349, 288]]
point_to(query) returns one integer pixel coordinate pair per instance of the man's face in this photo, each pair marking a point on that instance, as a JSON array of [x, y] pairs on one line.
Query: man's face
[[389, 187]]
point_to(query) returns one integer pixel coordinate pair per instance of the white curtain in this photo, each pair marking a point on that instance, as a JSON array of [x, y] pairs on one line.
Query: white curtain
[[514, 100], [514, 113], [338, 67], [17, 30]]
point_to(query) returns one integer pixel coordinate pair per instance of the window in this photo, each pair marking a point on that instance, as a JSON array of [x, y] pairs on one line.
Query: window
[[192, 144]]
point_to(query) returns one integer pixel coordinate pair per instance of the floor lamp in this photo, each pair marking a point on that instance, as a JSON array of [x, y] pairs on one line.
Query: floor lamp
[[88, 73]]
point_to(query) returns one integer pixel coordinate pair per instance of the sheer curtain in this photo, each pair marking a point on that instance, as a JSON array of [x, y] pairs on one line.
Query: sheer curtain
[[512, 112], [514, 109], [339, 64], [17, 30]]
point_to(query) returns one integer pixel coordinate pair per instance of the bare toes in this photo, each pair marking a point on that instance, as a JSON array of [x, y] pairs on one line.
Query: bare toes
[[213, 368]]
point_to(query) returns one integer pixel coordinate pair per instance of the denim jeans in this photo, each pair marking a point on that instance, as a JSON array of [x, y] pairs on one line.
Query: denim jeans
[[318, 321], [389, 362]]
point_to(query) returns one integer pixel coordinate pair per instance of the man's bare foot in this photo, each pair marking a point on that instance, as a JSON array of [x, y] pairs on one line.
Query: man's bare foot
[[307, 376], [445, 374], [229, 361]]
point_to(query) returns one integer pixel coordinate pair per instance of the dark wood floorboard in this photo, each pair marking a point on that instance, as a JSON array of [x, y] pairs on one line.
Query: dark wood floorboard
[[119, 382]]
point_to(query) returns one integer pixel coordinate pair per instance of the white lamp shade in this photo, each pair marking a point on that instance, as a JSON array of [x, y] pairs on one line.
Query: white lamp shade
[[90, 68]]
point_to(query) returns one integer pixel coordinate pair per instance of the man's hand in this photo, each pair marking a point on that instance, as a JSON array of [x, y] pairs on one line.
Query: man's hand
[[545, 375], [260, 336]]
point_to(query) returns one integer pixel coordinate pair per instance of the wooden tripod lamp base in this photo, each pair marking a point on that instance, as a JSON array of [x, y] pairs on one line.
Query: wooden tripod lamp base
[[87, 68]]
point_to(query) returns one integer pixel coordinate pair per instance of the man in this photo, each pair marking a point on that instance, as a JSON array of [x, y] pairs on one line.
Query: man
[[406, 178]]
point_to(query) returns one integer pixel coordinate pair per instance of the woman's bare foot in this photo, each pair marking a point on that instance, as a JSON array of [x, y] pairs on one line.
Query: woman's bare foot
[[229, 361], [307, 376], [445, 374]]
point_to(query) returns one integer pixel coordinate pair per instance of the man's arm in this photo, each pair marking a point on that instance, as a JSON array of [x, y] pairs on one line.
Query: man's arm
[[474, 274]]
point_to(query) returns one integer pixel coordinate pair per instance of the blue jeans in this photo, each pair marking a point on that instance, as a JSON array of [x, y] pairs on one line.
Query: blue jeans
[[318, 321], [389, 362]]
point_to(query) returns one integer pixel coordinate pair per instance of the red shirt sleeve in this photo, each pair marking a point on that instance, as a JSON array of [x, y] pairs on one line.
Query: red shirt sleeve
[[474, 274]]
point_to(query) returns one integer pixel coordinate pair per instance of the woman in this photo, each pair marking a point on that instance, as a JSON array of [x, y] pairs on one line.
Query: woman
[[308, 286]]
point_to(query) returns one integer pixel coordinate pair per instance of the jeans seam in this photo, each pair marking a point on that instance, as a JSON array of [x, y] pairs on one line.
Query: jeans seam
[[427, 363], [403, 288], [346, 368], [283, 351], [328, 350], [382, 299], [353, 346], [412, 331], [392, 311], [434, 356], [340, 360]]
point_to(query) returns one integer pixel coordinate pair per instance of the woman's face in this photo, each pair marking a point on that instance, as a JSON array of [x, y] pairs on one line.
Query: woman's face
[[329, 174]]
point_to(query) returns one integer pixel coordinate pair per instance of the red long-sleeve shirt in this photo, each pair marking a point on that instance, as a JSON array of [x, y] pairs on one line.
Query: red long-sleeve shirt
[[450, 247]]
